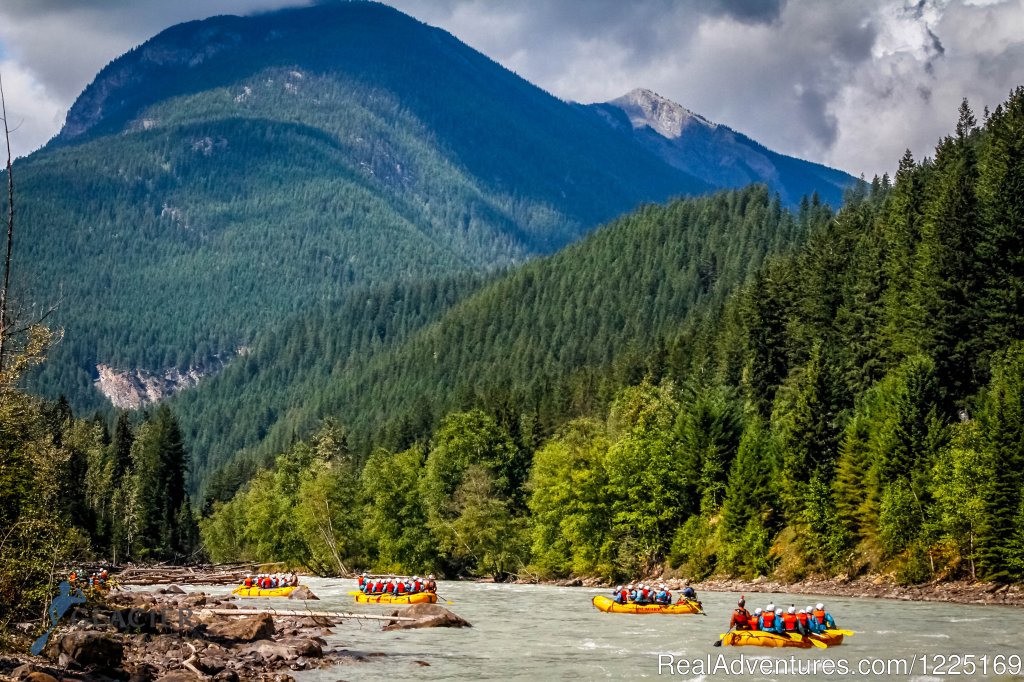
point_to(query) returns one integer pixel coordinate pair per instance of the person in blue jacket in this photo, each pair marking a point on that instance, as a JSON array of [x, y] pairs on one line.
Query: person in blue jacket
[[661, 596], [821, 619]]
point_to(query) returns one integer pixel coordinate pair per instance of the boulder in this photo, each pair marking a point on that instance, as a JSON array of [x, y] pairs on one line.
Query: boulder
[[179, 676], [37, 676], [303, 592], [247, 629], [427, 616], [174, 589], [81, 649]]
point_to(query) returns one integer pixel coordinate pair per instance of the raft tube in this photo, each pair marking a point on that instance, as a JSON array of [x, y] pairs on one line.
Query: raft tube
[[608, 605], [418, 598], [243, 591], [762, 638]]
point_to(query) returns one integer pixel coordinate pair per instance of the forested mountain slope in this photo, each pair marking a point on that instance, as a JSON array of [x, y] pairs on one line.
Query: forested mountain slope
[[231, 172], [553, 338]]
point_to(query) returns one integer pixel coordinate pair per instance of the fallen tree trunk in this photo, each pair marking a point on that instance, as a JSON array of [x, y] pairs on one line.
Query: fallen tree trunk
[[340, 615]]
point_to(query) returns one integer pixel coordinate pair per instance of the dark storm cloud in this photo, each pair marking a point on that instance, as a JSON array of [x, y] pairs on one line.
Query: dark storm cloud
[[750, 11]]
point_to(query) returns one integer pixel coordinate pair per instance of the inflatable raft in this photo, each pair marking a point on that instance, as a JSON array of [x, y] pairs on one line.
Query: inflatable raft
[[243, 591], [418, 598], [608, 605], [771, 639]]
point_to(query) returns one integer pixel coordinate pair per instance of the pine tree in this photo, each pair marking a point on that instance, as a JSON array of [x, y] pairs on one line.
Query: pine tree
[[1002, 419]]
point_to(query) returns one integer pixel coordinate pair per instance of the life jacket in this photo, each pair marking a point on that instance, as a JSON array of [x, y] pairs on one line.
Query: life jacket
[[248, 582], [753, 622], [400, 588], [819, 616], [644, 593], [769, 619], [390, 587], [789, 621], [379, 586], [431, 586], [362, 581], [803, 618], [741, 615], [624, 595], [417, 586]]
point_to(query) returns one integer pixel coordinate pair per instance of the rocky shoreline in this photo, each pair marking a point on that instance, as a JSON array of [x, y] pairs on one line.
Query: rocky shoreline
[[174, 636], [955, 592]]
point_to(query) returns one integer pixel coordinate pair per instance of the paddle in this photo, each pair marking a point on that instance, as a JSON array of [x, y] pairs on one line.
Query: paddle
[[836, 631], [816, 642], [443, 599], [721, 637]]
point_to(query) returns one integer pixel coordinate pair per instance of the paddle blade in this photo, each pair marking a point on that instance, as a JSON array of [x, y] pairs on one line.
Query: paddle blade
[[817, 642], [846, 633], [718, 642]]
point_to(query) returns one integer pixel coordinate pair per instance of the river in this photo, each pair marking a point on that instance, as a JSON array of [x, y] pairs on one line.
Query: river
[[527, 632]]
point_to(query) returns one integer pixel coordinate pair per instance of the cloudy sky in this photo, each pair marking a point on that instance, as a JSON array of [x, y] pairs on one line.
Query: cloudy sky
[[850, 84]]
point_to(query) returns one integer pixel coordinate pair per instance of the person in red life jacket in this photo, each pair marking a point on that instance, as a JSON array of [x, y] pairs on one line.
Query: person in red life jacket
[[431, 583], [379, 587], [790, 622], [417, 584], [821, 619], [248, 580], [740, 616], [619, 595], [399, 587], [362, 583], [755, 620], [390, 587], [805, 621], [644, 595], [767, 622]]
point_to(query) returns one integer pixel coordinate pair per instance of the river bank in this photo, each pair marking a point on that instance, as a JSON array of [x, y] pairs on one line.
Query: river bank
[[954, 592], [175, 635]]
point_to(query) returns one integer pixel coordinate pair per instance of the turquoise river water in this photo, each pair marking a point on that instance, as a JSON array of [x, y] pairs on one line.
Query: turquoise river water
[[529, 632]]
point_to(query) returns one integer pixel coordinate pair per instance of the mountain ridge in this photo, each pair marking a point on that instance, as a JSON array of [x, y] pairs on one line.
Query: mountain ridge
[[231, 172]]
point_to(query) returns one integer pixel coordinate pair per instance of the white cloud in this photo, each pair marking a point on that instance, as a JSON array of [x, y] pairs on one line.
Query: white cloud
[[850, 84], [33, 114]]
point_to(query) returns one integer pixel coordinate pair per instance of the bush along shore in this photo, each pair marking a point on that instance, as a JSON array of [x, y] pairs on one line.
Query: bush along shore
[[173, 635]]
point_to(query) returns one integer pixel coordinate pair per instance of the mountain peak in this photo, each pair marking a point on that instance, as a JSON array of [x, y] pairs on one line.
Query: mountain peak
[[648, 108]]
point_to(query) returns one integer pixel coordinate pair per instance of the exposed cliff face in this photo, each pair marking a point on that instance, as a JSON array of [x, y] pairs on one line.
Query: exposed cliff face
[[135, 388]]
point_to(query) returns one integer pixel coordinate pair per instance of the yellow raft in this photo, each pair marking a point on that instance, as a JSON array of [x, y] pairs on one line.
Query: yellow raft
[[771, 639], [243, 591], [608, 605], [417, 598]]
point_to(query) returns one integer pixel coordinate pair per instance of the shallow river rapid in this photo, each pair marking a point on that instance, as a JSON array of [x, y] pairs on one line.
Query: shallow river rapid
[[526, 632]]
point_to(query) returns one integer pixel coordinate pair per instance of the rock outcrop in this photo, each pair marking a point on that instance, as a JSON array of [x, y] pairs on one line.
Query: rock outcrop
[[427, 616]]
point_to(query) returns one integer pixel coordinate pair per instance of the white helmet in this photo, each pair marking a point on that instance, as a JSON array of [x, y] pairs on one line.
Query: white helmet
[[820, 606], [791, 609], [757, 612], [809, 609], [778, 612], [771, 607], [619, 588], [801, 611], [415, 577]]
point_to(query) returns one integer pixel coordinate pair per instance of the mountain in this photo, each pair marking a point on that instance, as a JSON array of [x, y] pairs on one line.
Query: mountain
[[716, 153], [233, 172], [552, 339]]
